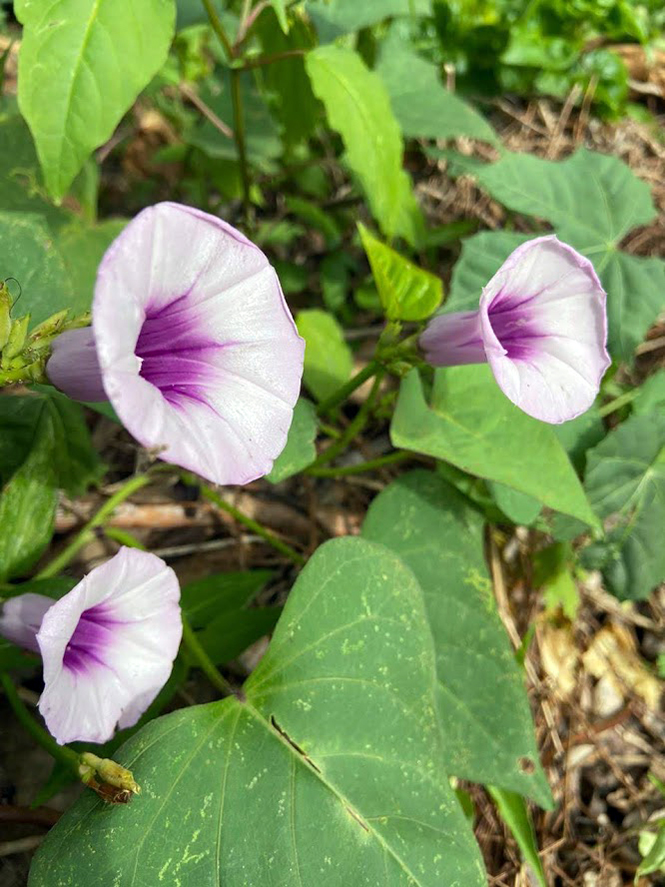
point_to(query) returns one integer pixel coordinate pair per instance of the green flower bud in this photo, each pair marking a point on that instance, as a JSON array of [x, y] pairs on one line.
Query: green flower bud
[[16, 340]]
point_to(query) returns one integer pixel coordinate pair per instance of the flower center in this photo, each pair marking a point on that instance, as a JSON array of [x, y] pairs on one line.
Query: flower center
[[91, 638], [513, 326], [174, 352]]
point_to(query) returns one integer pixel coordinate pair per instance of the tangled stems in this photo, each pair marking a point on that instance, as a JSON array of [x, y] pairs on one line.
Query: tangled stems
[[252, 525], [204, 662], [87, 534]]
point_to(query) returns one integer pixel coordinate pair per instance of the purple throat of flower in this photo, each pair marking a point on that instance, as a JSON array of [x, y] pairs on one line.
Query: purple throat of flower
[[93, 636]]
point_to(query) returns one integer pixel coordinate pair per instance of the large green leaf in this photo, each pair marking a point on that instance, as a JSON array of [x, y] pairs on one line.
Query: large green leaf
[[358, 107], [485, 716], [82, 248], [27, 252], [472, 424], [515, 814], [482, 256], [333, 18], [333, 753], [328, 359], [28, 499], [593, 201], [423, 106], [21, 188], [626, 479], [406, 291], [299, 451], [81, 65]]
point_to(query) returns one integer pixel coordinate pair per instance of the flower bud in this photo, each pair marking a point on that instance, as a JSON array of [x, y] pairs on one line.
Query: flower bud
[[16, 339]]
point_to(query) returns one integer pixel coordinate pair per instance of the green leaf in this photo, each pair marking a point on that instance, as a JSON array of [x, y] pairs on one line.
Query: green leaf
[[358, 107], [514, 812], [28, 500], [76, 462], [82, 248], [579, 435], [473, 425], [654, 861], [406, 291], [333, 19], [328, 359], [28, 253], [220, 593], [280, 11], [650, 395], [484, 710], [21, 188], [334, 751], [593, 201], [231, 633], [82, 64], [13, 658], [296, 107], [482, 256], [520, 508], [626, 480], [424, 108], [299, 451], [552, 572]]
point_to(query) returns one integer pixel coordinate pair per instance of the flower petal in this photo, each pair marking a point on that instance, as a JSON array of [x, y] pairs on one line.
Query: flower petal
[[21, 617], [108, 646], [74, 368], [205, 366], [544, 327]]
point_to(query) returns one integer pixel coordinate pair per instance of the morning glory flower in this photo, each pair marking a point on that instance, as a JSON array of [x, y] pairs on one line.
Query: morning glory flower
[[107, 646], [192, 342], [541, 325]]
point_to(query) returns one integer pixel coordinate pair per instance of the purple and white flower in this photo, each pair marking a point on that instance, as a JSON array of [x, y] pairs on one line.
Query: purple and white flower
[[541, 325], [107, 646], [192, 342]]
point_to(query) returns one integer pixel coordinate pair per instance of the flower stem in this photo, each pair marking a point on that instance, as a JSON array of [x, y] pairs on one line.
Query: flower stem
[[239, 136], [360, 468], [87, 534], [618, 402], [204, 662], [354, 428], [262, 60], [61, 753], [342, 393], [218, 27], [252, 525]]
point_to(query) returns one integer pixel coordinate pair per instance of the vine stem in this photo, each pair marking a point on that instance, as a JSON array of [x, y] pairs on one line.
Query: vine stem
[[87, 534], [354, 428], [262, 60], [62, 753], [239, 135], [204, 662], [218, 28], [360, 468], [617, 403], [342, 393], [252, 525]]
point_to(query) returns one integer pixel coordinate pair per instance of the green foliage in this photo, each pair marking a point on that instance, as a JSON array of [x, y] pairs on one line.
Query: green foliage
[[335, 750], [552, 572], [328, 359], [220, 593], [483, 707], [651, 395], [334, 18], [482, 256], [28, 253], [593, 201], [81, 66], [406, 291], [358, 107], [515, 814], [625, 480], [82, 248], [422, 106], [299, 451], [28, 497], [471, 424]]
